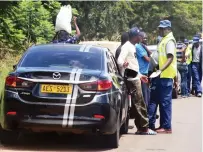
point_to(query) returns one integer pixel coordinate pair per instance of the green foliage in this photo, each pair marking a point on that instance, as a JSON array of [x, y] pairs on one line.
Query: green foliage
[[35, 21], [23, 23], [108, 19]]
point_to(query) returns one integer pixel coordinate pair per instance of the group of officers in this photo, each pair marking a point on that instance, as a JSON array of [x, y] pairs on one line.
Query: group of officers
[[189, 61]]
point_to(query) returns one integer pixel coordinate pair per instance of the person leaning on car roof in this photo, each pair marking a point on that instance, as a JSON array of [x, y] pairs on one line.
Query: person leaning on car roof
[[65, 37]]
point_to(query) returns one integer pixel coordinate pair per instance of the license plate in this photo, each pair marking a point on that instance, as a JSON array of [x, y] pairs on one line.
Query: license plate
[[62, 89]]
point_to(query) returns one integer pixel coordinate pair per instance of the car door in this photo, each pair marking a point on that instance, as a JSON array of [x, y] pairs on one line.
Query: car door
[[122, 87], [116, 95]]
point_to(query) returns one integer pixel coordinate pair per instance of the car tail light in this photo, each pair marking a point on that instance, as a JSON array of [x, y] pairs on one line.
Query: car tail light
[[101, 85], [92, 86], [13, 81], [104, 85], [11, 113], [99, 116]]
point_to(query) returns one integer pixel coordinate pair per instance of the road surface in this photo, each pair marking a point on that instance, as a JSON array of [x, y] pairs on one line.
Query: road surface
[[186, 136]]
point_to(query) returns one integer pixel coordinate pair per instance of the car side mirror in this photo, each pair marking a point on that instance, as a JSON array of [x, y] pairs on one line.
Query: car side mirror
[[14, 67]]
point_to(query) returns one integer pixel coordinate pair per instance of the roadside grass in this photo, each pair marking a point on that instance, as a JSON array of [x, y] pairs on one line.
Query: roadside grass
[[6, 65]]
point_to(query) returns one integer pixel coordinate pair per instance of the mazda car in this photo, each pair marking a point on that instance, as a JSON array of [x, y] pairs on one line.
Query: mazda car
[[65, 88]]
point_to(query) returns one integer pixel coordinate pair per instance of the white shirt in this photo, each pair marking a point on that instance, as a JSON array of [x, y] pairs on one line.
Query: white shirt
[[128, 54], [196, 54], [170, 47]]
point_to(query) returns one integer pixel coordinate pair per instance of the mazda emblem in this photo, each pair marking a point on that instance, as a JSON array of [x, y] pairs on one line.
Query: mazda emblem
[[56, 75]]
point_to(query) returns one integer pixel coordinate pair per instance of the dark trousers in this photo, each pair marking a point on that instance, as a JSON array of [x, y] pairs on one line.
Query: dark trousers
[[189, 77], [197, 77], [140, 109], [183, 73], [146, 93], [161, 94]]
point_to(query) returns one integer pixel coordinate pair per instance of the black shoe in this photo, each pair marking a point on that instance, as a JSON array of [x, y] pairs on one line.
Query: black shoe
[[193, 92], [157, 116]]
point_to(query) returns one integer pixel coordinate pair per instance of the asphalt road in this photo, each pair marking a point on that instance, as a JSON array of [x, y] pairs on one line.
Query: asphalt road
[[186, 137]]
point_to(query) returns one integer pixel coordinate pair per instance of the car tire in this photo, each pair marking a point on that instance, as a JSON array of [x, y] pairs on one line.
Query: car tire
[[112, 140], [124, 127], [8, 137]]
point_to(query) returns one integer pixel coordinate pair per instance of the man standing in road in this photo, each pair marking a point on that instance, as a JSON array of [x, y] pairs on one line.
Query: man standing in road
[[162, 94], [143, 58], [197, 66], [188, 55], [128, 61]]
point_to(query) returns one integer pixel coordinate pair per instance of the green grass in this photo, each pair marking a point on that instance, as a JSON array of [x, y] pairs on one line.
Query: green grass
[[6, 65]]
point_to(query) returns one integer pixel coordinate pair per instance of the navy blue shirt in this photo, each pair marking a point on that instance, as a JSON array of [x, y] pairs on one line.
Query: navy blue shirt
[[64, 37]]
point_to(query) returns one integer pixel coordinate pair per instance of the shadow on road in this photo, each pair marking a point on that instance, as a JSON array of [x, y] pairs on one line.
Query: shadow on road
[[54, 142]]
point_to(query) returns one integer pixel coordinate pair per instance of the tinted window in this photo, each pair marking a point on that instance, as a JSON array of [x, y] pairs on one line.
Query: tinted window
[[64, 58], [114, 65], [109, 64]]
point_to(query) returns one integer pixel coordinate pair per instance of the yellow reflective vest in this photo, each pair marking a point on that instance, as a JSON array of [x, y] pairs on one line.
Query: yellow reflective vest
[[188, 53], [171, 71]]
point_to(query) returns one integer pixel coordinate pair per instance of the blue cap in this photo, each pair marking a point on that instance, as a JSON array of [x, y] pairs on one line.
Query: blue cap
[[195, 39], [186, 41], [165, 24], [134, 32]]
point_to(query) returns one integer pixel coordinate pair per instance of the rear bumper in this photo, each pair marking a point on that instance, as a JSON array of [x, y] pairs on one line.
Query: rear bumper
[[44, 125], [42, 118]]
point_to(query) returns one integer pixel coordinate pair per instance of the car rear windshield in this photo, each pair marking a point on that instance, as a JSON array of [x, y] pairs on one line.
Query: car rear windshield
[[64, 58]]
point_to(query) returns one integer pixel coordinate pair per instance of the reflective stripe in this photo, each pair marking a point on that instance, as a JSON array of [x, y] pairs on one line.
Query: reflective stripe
[[88, 48], [74, 98], [82, 48], [68, 99]]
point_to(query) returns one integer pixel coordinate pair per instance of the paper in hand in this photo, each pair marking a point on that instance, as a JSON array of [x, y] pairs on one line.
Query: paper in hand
[[155, 74]]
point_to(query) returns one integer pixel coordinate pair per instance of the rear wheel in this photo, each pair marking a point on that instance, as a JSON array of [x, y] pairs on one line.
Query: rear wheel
[[112, 140], [124, 127], [9, 137]]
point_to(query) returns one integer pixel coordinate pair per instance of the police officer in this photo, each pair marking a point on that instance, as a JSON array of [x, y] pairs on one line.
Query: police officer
[[162, 94], [197, 66], [188, 55]]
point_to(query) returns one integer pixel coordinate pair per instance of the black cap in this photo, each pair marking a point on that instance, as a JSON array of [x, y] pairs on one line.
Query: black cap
[[134, 32]]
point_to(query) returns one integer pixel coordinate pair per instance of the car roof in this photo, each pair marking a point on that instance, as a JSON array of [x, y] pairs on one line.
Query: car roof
[[59, 46], [111, 45]]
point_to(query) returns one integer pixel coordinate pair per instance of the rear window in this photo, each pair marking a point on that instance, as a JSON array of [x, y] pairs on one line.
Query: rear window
[[64, 58]]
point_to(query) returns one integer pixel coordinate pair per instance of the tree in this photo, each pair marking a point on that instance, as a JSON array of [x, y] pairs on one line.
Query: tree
[[35, 21]]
